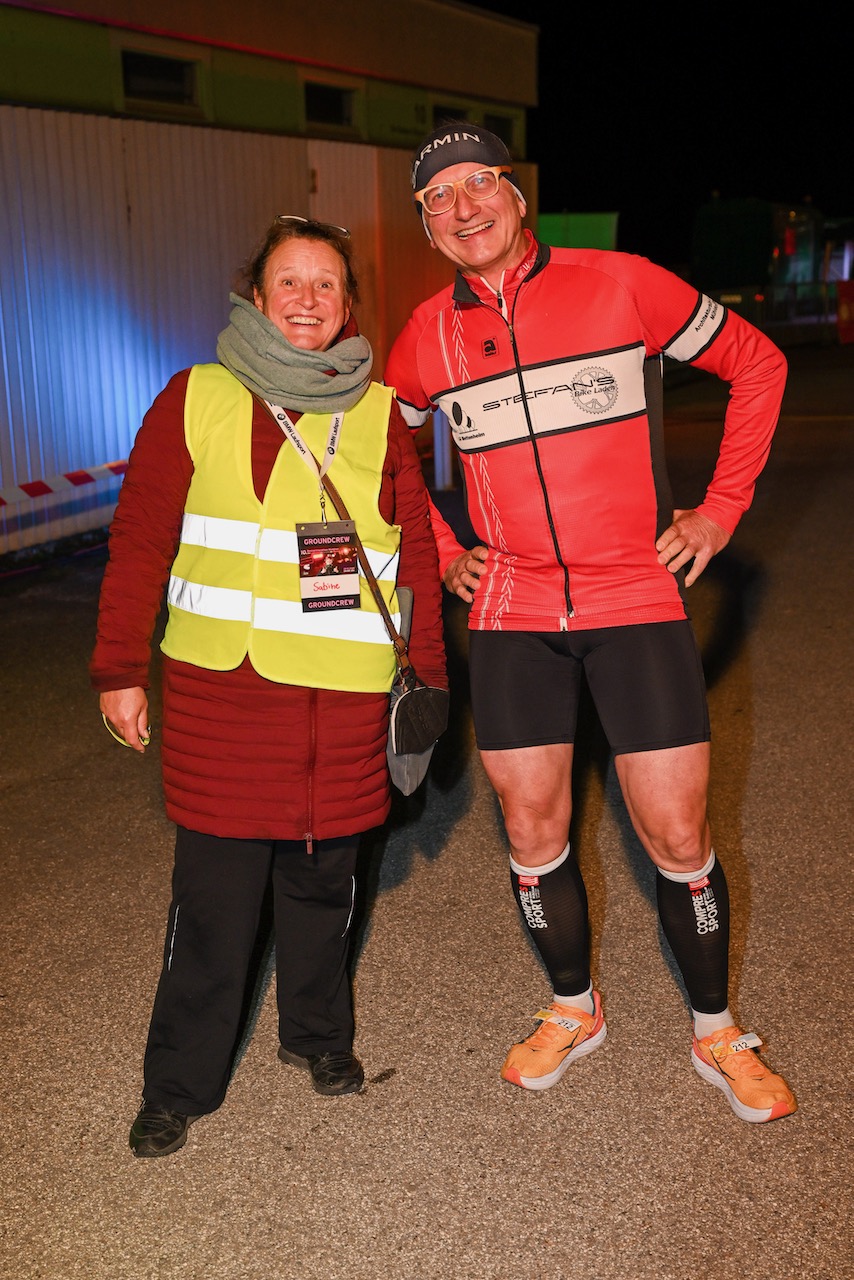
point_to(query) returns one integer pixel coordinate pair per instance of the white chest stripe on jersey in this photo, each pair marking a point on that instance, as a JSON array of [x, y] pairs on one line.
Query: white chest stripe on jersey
[[563, 395]]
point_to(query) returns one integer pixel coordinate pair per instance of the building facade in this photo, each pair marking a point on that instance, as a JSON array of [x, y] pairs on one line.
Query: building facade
[[144, 149]]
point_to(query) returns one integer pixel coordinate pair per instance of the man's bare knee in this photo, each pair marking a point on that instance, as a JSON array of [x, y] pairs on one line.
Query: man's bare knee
[[679, 848], [535, 838]]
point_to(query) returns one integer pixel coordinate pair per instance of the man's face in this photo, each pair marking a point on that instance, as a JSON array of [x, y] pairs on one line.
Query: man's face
[[482, 237]]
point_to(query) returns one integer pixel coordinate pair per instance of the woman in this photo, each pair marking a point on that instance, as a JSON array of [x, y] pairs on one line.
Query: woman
[[275, 699]]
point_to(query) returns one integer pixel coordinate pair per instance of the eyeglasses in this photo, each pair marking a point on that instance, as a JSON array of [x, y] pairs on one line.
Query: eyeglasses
[[327, 226], [480, 185]]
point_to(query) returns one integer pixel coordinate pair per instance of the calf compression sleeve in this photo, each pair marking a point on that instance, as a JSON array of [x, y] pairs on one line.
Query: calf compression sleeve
[[693, 908], [553, 903]]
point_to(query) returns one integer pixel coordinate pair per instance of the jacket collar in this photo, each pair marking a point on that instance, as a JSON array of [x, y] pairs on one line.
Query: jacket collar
[[465, 294]]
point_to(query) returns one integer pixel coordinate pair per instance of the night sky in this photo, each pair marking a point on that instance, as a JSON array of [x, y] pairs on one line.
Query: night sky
[[646, 117]]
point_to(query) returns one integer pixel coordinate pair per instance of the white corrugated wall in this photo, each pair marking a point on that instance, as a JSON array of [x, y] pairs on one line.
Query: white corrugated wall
[[119, 242]]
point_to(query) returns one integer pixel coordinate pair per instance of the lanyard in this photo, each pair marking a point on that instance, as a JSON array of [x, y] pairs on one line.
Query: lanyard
[[289, 429]]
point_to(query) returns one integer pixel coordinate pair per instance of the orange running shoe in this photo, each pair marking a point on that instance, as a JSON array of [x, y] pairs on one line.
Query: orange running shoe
[[727, 1060], [561, 1035]]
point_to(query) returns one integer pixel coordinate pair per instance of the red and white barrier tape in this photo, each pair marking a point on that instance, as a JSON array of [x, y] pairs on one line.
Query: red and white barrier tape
[[70, 480]]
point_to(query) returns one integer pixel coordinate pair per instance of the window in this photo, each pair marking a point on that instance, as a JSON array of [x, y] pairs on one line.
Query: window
[[147, 77], [328, 104]]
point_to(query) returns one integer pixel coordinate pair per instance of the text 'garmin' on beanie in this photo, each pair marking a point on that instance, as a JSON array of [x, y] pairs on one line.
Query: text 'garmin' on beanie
[[454, 143]]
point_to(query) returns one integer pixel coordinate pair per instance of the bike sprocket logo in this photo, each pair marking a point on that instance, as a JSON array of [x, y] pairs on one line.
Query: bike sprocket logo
[[594, 389]]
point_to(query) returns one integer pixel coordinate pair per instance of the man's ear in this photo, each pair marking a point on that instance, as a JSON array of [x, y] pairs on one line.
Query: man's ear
[[257, 299]]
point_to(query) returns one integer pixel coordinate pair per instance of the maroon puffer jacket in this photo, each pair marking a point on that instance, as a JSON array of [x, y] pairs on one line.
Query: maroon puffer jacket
[[242, 756]]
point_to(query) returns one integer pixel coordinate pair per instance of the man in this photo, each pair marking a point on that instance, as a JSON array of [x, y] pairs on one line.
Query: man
[[547, 363]]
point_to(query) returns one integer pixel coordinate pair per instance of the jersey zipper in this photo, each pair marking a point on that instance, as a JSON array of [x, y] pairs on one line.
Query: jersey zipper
[[507, 317], [552, 530]]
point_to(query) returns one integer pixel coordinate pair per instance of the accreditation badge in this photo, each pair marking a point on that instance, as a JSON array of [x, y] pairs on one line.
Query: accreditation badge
[[328, 566]]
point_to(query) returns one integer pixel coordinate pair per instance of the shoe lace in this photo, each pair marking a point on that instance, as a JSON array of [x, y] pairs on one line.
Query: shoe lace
[[545, 1034], [155, 1118], [339, 1059]]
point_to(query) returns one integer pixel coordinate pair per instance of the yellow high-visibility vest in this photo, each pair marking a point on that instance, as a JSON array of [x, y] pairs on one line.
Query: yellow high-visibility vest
[[234, 584]]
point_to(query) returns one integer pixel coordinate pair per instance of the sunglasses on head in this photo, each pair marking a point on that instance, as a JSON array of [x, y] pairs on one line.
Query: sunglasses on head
[[312, 222]]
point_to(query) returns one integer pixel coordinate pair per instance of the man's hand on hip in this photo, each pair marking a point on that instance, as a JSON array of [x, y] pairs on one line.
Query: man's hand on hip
[[463, 574], [690, 537]]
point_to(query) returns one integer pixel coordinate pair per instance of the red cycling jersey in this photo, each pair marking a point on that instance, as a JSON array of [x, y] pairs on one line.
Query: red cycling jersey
[[552, 388]]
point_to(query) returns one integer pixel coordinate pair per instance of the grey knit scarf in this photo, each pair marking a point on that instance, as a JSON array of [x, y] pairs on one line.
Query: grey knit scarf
[[260, 356]]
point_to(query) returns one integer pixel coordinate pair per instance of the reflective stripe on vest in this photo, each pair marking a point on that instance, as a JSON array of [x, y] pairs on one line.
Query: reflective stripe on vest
[[234, 587], [273, 544], [275, 615]]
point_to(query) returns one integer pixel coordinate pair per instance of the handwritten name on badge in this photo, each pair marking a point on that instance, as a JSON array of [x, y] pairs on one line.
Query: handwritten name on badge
[[328, 565]]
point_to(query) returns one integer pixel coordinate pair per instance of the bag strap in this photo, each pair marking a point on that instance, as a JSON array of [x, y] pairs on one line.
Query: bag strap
[[407, 671]]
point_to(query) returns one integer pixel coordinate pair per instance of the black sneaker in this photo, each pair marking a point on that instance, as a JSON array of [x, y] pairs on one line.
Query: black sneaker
[[331, 1073], [157, 1131]]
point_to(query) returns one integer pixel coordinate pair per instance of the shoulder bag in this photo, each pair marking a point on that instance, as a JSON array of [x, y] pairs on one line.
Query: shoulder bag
[[418, 713]]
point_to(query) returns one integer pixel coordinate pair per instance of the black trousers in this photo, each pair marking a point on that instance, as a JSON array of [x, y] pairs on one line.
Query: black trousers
[[218, 891]]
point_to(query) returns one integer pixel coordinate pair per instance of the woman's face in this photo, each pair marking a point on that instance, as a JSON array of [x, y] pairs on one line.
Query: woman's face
[[303, 293]]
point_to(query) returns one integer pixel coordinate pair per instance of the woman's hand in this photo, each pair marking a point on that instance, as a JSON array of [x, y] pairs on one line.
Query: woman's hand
[[690, 537], [463, 574], [127, 712]]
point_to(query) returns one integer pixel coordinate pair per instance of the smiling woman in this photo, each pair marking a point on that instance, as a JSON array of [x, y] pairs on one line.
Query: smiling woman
[[275, 708], [304, 294], [302, 279]]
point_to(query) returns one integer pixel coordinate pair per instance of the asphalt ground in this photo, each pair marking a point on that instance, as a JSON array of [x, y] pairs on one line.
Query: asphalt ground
[[631, 1168]]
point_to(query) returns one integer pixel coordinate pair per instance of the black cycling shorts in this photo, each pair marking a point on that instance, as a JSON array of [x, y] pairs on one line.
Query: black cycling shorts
[[646, 682]]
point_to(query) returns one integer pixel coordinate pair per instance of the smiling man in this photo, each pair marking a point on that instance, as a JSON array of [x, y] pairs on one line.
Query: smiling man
[[547, 363]]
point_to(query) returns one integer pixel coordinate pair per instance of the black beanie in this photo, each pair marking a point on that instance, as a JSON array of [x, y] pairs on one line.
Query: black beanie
[[456, 143]]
